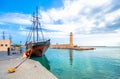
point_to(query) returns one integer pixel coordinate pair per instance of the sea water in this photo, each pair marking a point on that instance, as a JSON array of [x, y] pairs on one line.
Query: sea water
[[101, 63]]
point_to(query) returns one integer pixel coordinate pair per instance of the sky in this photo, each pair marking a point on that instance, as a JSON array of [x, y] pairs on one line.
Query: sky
[[92, 22]]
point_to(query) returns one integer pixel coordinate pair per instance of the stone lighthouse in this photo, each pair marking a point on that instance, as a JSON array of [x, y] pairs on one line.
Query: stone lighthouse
[[71, 40]]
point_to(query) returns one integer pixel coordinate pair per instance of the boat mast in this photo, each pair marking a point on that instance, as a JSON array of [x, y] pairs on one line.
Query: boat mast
[[41, 31], [38, 26], [33, 27], [37, 23]]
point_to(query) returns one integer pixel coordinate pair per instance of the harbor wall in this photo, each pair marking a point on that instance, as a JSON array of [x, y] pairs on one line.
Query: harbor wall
[[60, 46]]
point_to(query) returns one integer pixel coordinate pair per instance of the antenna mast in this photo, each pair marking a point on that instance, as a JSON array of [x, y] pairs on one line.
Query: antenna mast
[[3, 35], [10, 37]]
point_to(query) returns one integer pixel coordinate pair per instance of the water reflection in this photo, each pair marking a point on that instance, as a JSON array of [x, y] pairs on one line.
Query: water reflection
[[71, 56], [43, 60]]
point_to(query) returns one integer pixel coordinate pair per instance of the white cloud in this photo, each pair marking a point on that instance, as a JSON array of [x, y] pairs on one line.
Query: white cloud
[[96, 3], [1, 23], [118, 31], [21, 28], [97, 39], [15, 18], [72, 18], [82, 16], [101, 25], [77, 16], [111, 17]]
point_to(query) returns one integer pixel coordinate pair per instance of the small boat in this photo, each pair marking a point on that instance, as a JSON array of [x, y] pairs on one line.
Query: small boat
[[35, 45]]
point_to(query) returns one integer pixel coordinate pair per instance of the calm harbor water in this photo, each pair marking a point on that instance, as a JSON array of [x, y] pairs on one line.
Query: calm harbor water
[[102, 63]]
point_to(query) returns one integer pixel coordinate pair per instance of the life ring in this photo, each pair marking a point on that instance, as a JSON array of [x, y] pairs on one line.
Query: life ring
[[27, 53]]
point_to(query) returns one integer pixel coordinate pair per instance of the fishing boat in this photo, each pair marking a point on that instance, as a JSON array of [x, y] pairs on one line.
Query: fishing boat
[[36, 44]]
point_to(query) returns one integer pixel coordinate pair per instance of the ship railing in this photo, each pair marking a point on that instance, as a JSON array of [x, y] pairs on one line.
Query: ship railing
[[32, 42]]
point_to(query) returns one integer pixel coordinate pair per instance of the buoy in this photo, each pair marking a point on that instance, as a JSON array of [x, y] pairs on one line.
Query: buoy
[[11, 70]]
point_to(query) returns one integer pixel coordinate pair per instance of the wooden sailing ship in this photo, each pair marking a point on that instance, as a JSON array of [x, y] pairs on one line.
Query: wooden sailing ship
[[37, 46]]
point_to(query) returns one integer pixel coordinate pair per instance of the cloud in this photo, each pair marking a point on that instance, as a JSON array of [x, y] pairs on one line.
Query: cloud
[[76, 15], [15, 18], [83, 16], [97, 39], [1, 23], [89, 19]]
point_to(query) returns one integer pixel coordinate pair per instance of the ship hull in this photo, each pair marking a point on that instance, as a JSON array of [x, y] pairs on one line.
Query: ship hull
[[38, 48]]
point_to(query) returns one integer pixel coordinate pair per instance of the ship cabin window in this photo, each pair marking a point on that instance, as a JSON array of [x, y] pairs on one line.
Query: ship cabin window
[[6, 45], [1, 44]]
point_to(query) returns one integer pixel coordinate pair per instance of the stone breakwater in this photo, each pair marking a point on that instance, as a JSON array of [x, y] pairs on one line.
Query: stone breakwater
[[67, 46]]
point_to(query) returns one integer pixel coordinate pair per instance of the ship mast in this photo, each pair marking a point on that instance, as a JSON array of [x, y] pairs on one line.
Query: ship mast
[[33, 27], [34, 33], [38, 26], [37, 23]]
